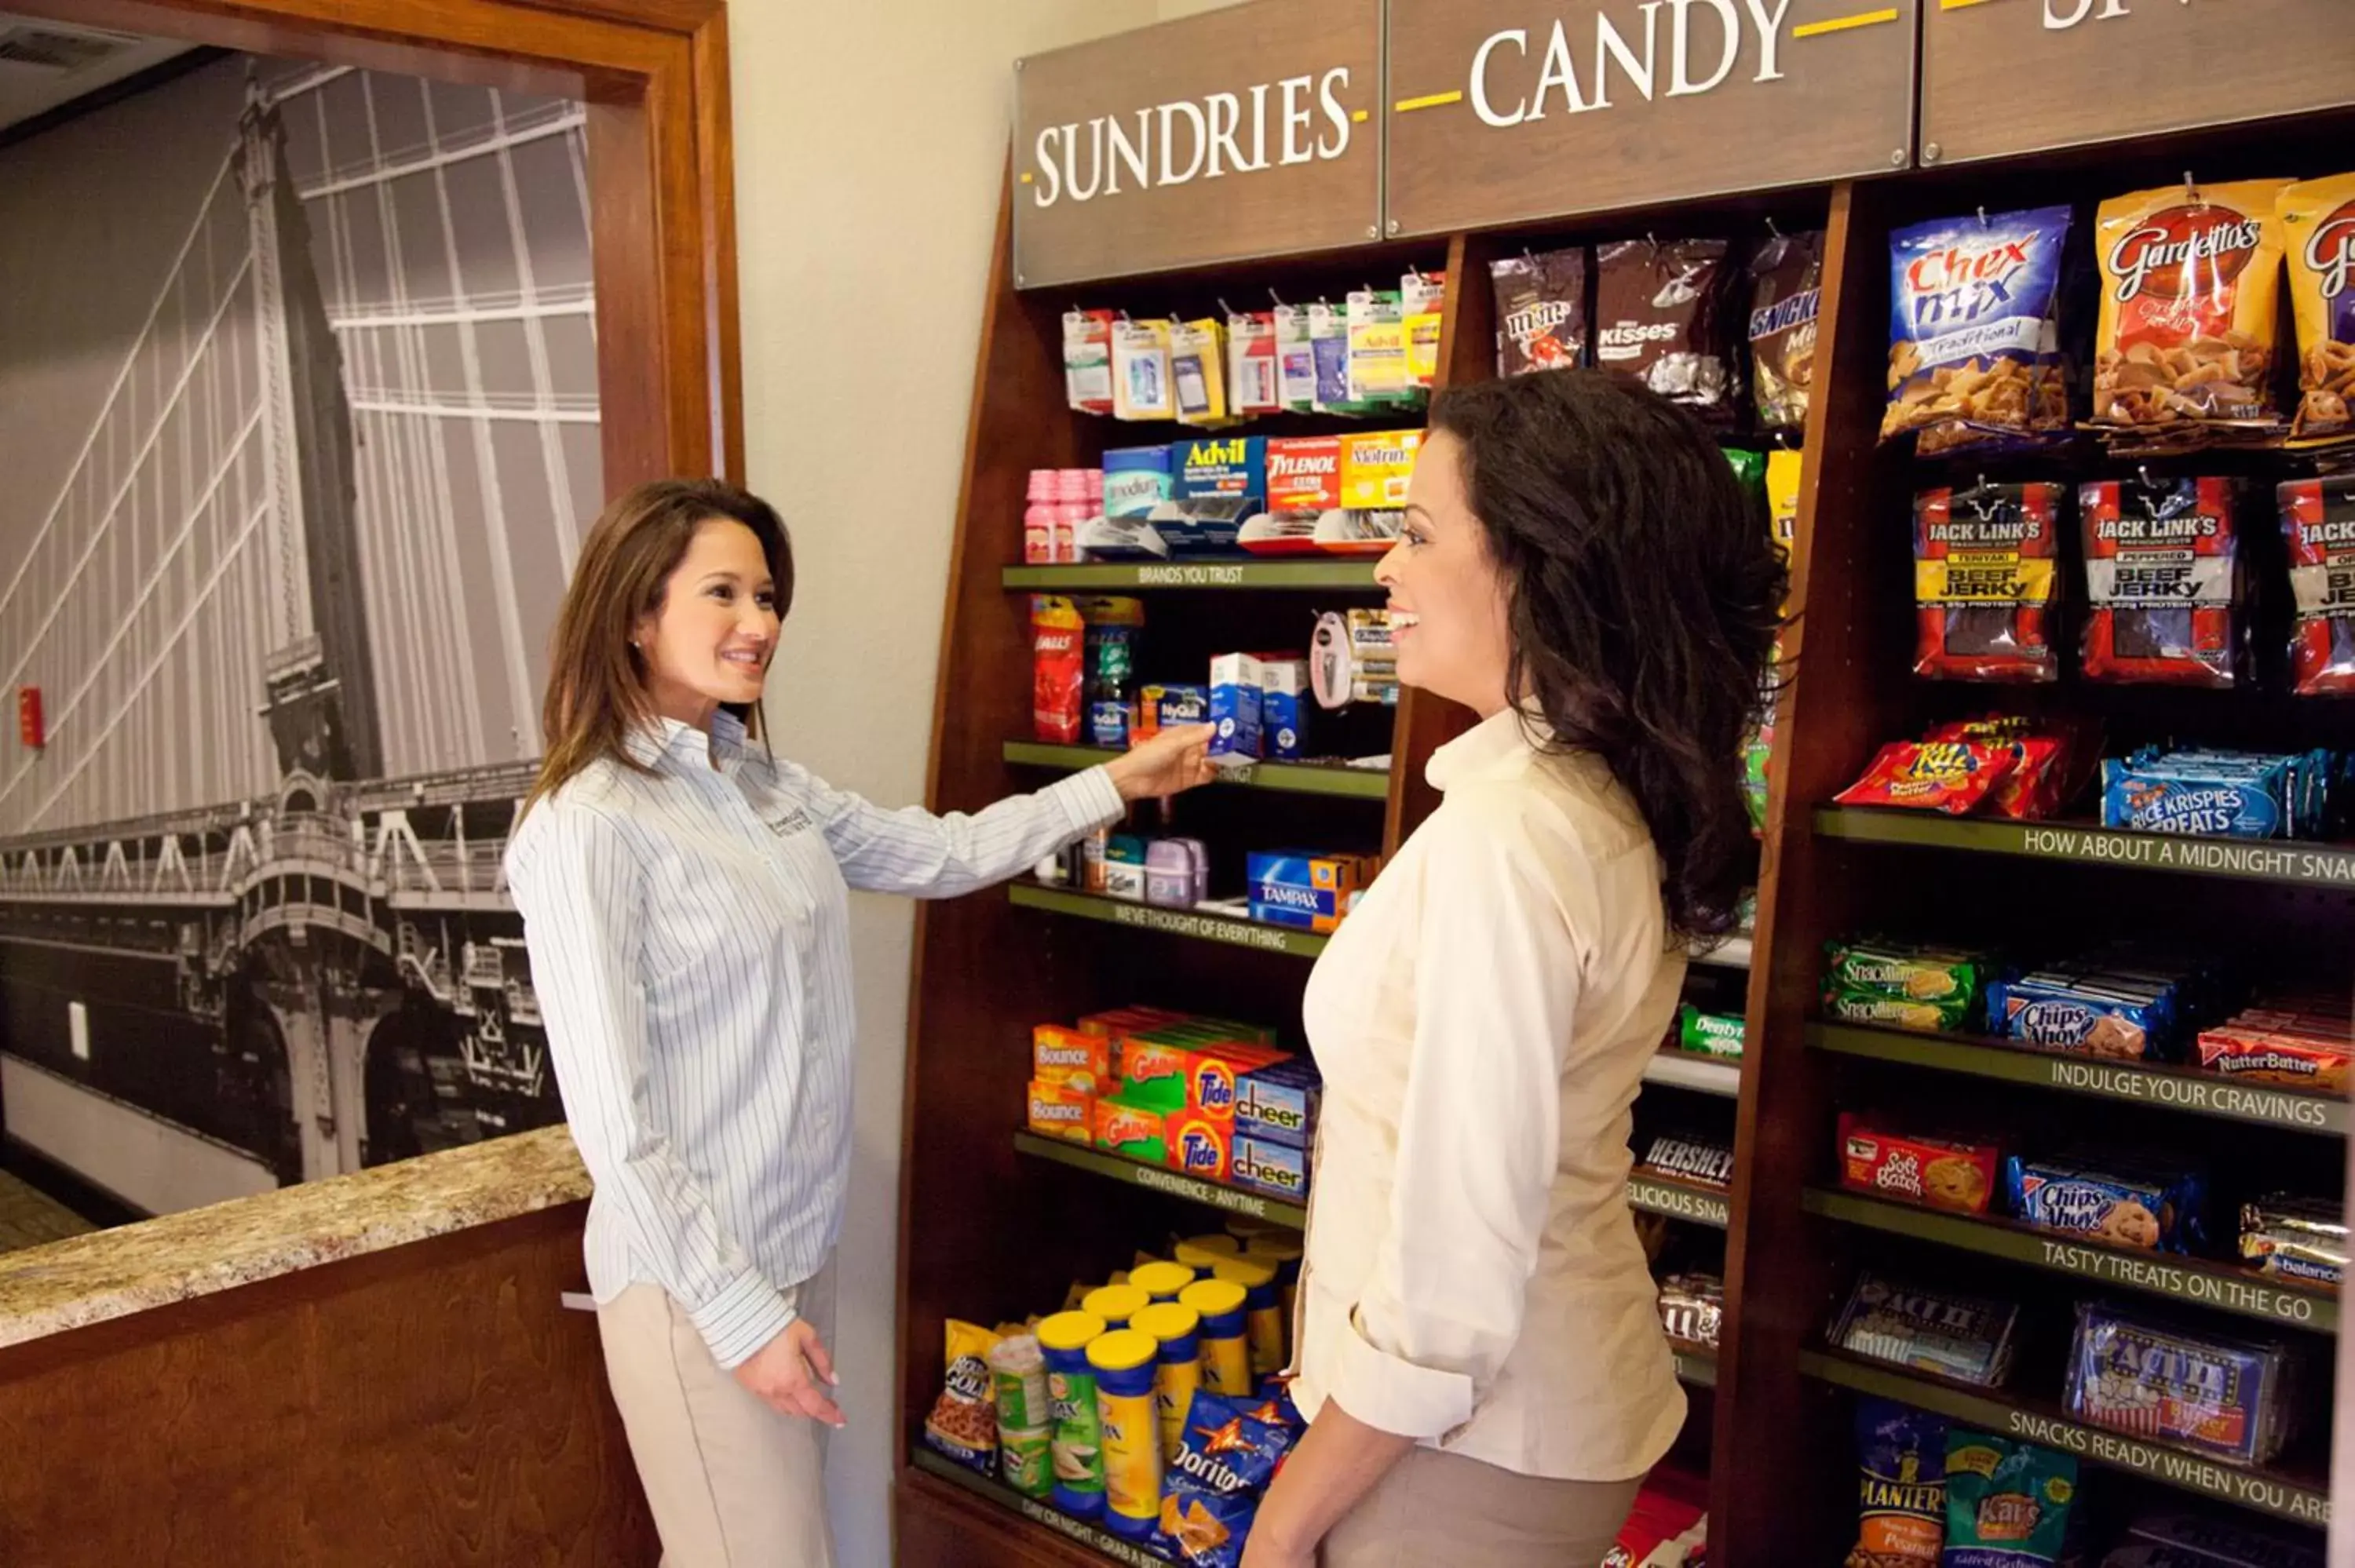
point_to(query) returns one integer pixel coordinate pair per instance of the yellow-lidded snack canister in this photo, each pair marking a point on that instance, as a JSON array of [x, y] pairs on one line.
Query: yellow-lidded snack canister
[[1076, 1449], [1202, 1253], [1262, 1311], [1161, 1281], [1125, 1362], [1226, 1352], [1285, 1252], [1115, 1304], [1176, 1328]]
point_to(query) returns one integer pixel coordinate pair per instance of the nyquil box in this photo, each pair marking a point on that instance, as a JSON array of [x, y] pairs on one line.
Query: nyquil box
[[1278, 1103]]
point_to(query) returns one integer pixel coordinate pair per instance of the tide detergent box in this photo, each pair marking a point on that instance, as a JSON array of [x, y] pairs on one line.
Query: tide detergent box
[[1059, 1110], [1277, 1170], [1278, 1103], [1301, 889], [1132, 1131], [1066, 1057], [1200, 1145], [1183, 1074]]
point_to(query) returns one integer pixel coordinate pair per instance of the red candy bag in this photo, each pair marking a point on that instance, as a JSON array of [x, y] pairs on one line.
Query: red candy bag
[[1058, 668], [1953, 777]]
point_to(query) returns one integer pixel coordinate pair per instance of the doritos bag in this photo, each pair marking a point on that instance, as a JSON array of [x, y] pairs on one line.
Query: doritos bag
[[1224, 1462]]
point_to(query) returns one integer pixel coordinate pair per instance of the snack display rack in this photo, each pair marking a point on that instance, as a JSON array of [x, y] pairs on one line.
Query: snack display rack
[[997, 1223]]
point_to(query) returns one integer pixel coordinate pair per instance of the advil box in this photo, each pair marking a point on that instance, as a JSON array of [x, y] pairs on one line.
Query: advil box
[[1235, 467]]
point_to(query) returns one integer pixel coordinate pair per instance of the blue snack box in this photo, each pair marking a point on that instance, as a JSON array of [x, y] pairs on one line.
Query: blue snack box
[[1278, 1169], [1278, 1103], [1216, 466], [2117, 1204]]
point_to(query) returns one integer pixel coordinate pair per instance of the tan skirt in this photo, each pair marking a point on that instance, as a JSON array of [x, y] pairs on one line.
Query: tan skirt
[[1438, 1508]]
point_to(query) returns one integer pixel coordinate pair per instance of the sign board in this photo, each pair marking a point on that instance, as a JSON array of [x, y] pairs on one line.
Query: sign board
[[1509, 111], [2004, 77], [1253, 130]]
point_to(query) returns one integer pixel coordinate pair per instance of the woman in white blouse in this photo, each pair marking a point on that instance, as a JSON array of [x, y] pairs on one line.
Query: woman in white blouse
[[684, 903], [1480, 1353]]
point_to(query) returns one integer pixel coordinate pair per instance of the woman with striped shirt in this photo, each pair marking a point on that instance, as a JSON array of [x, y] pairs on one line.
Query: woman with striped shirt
[[684, 899]]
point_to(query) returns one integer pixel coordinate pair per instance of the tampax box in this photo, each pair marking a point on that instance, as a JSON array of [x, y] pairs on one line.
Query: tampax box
[[1200, 1145], [1303, 473], [1067, 1056], [1059, 1110], [1375, 468], [1132, 1130], [1225, 467], [1301, 889], [1277, 1170], [1278, 1103]]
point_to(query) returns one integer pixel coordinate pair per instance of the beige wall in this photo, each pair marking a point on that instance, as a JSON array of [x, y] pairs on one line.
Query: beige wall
[[870, 141]]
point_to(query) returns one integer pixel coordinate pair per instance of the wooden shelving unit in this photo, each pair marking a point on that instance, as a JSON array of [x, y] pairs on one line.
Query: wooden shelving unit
[[998, 1224]]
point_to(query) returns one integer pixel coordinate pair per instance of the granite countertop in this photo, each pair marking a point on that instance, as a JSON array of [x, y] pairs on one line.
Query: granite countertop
[[177, 1258]]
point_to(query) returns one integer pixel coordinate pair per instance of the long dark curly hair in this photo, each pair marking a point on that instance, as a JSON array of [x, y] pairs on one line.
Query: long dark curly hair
[[1643, 592]]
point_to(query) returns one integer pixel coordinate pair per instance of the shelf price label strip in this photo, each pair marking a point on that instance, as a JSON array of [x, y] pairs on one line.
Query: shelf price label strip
[[1697, 1370], [2279, 862], [2257, 1490], [1295, 778], [1169, 922], [1346, 576], [1088, 1535], [2201, 1094], [1677, 1201], [1155, 1179], [2203, 1284]]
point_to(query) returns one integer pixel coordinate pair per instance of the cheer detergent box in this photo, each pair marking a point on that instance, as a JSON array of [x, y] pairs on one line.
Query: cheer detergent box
[[1278, 1103], [1303, 889]]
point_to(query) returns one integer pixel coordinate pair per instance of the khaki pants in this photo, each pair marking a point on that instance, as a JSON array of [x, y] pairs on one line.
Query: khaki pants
[[1435, 1508], [733, 1483]]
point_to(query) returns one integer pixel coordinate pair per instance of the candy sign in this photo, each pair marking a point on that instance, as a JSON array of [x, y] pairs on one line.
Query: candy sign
[[1506, 111]]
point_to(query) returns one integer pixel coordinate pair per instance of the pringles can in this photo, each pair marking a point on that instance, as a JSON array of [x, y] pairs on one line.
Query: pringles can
[[1076, 1449]]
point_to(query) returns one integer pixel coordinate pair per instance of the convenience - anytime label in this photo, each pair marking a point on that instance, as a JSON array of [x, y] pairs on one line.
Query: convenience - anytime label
[[1225, 1198]]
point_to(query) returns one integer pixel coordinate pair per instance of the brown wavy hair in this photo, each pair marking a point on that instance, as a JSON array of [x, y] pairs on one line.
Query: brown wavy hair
[[1643, 593], [596, 680]]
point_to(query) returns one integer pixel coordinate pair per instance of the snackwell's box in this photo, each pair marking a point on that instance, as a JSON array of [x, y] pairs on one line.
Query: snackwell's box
[[1278, 1103], [1303, 889]]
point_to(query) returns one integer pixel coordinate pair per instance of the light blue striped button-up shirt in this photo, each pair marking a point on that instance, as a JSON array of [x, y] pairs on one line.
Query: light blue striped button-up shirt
[[690, 945]]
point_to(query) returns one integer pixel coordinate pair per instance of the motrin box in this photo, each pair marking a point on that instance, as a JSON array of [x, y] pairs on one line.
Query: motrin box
[[1376, 466]]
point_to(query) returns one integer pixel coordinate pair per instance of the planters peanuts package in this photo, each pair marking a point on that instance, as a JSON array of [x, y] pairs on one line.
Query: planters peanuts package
[[1224, 1461]]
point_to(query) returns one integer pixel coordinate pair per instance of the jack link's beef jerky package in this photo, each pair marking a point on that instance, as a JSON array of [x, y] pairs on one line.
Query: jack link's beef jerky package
[[1660, 316], [1540, 311], [1785, 294]]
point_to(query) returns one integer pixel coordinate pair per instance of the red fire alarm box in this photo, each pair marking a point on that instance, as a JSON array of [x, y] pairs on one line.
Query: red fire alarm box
[[28, 716]]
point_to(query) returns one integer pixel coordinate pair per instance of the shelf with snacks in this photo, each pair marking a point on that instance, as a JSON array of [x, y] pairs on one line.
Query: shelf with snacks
[[2084, 653], [1232, 931], [1701, 1074], [2301, 1495], [1341, 781], [1336, 576], [2185, 1090], [2192, 1281], [1223, 1196]]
